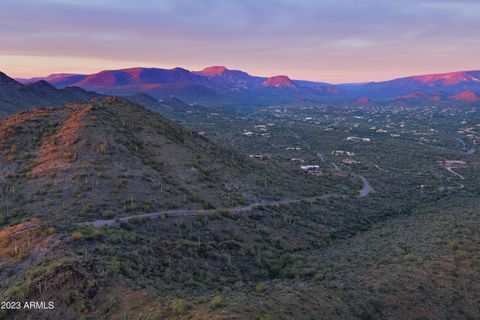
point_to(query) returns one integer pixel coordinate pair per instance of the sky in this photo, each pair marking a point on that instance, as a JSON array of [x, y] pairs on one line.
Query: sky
[[334, 41]]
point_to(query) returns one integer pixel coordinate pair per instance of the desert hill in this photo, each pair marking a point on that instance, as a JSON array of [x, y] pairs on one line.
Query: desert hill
[[15, 96], [109, 157]]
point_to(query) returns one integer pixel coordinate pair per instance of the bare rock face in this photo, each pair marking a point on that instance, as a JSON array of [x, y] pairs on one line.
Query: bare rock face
[[279, 82]]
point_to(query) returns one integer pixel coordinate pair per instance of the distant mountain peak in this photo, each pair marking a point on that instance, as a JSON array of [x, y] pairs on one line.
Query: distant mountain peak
[[179, 69], [468, 96], [41, 84], [6, 80], [213, 71], [279, 82], [449, 78], [363, 101], [4, 76]]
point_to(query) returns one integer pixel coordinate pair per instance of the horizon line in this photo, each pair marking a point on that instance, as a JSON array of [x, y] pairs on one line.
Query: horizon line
[[238, 69]]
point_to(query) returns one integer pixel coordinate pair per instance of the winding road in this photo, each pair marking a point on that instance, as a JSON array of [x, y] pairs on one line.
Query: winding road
[[366, 188], [364, 191], [464, 146], [193, 212], [320, 156]]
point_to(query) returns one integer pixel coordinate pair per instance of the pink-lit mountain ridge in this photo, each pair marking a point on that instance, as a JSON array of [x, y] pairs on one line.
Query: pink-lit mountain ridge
[[222, 85], [427, 88], [279, 82]]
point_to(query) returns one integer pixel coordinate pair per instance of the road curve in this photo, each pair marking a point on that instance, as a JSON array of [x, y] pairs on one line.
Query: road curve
[[464, 146], [320, 156], [366, 188], [192, 212]]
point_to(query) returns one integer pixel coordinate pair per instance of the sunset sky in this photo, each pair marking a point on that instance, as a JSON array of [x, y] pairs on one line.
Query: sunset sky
[[329, 40]]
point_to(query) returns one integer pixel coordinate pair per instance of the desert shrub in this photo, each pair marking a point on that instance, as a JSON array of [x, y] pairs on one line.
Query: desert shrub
[[114, 265], [260, 287], [410, 257], [111, 305], [207, 205], [50, 230], [77, 235], [216, 302], [454, 244], [178, 306], [102, 148]]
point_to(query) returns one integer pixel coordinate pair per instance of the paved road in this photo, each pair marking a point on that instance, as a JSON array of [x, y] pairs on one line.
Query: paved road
[[335, 167], [320, 156], [192, 212], [464, 146], [366, 188], [449, 169]]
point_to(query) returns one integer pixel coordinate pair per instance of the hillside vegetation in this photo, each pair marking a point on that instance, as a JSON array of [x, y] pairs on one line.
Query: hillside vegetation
[[112, 211]]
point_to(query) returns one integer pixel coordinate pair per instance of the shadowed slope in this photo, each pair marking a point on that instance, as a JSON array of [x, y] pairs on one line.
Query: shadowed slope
[[15, 96]]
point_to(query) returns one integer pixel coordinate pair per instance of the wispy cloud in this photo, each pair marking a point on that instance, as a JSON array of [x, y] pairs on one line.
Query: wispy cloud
[[341, 40]]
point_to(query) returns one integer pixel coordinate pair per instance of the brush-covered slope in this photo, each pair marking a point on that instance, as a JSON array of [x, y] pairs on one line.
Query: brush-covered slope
[[110, 157], [15, 96]]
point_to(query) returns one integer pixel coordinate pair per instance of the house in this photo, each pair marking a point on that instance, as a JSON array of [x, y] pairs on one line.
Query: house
[[312, 170], [358, 139], [350, 162], [454, 163], [343, 153]]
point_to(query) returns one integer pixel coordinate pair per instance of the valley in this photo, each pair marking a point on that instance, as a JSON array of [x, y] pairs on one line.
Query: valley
[[231, 214], [239, 160]]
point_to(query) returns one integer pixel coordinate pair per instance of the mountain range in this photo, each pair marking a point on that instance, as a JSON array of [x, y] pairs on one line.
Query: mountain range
[[222, 86], [217, 85], [450, 87]]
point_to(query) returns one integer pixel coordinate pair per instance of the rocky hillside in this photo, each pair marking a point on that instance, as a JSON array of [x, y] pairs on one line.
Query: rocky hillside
[[109, 158]]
